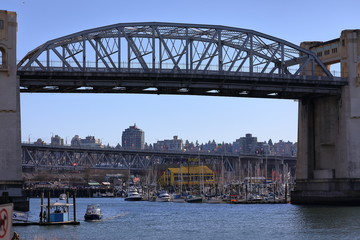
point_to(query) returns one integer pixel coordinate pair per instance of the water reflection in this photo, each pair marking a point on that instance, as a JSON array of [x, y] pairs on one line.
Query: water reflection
[[328, 222]]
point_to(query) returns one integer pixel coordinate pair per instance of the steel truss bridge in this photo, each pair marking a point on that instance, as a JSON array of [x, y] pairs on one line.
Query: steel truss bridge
[[69, 158], [173, 58]]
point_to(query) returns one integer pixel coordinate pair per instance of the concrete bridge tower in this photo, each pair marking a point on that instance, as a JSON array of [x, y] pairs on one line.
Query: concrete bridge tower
[[328, 164], [10, 139]]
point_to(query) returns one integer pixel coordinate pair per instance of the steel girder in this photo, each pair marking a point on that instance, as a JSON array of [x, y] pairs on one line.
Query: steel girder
[[147, 52], [69, 158], [65, 157]]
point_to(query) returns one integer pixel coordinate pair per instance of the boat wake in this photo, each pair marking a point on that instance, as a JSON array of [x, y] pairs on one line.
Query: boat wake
[[116, 216]]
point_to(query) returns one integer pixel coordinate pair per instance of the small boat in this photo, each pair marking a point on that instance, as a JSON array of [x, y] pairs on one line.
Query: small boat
[[97, 194], [214, 200], [93, 213], [254, 198], [19, 216], [163, 197], [194, 199], [62, 196], [108, 194], [179, 198], [59, 214], [133, 195]]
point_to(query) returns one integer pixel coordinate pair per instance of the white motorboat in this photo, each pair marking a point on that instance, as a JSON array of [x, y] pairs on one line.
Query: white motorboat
[[93, 213], [163, 197], [133, 195], [63, 196]]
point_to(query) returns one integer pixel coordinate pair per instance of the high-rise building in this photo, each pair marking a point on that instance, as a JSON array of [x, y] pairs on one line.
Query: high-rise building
[[133, 138], [245, 145]]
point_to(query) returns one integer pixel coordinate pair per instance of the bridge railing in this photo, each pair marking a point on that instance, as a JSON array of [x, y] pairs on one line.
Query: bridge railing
[[159, 67], [165, 68]]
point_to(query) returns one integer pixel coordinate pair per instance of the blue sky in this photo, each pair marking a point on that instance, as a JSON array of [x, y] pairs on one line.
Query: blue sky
[[161, 117]]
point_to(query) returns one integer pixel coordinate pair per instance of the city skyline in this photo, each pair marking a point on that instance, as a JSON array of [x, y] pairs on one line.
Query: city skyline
[[133, 139], [161, 117], [76, 137]]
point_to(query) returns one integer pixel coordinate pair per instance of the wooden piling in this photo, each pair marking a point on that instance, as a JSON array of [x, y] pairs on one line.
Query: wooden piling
[[48, 208], [74, 202], [41, 207]]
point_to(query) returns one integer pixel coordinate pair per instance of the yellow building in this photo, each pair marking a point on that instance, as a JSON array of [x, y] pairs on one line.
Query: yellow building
[[193, 175]]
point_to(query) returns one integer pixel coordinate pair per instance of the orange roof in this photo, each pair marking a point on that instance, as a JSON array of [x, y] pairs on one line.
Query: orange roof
[[191, 170]]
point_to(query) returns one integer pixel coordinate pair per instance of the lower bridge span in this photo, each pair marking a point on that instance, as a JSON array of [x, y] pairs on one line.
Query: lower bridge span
[[70, 158]]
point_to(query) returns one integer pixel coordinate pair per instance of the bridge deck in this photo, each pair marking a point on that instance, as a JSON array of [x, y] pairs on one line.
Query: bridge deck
[[67, 157], [211, 83]]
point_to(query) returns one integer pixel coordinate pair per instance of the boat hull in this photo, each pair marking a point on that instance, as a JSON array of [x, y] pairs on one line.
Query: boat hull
[[59, 223], [93, 217], [214, 201], [162, 200], [133, 199], [194, 200]]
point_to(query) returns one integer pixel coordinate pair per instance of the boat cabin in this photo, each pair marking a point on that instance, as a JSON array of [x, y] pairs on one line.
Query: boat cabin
[[59, 212]]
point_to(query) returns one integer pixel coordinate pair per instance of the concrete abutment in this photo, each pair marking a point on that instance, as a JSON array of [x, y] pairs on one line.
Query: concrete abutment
[[328, 161], [10, 147]]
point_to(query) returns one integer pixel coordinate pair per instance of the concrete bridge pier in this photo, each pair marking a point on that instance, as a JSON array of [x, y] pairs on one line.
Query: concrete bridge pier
[[328, 161], [10, 138]]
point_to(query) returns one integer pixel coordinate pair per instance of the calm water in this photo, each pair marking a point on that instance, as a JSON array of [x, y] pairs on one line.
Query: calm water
[[156, 220]]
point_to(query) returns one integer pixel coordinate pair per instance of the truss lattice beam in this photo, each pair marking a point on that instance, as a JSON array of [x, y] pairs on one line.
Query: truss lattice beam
[[188, 52], [132, 35], [50, 157]]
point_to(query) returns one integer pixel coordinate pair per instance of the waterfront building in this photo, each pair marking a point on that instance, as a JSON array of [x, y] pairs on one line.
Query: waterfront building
[[57, 141], [76, 141], [174, 144], [133, 138], [263, 148], [89, 141], [187, 176], [39, 142], [284, 148]]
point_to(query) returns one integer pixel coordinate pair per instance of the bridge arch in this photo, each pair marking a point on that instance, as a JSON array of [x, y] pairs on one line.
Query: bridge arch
[[203, 59], [173, 46]]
